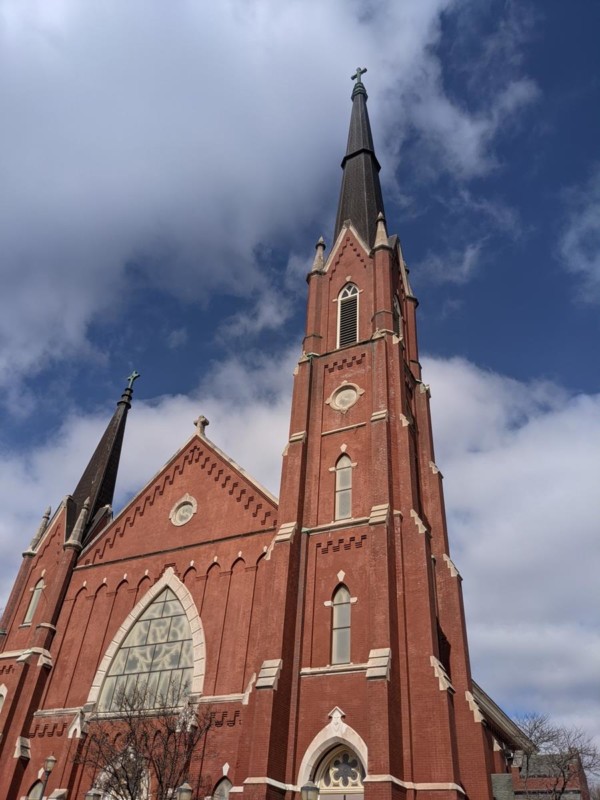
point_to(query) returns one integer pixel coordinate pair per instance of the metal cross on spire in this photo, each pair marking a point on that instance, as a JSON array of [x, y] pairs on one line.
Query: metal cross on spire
[[357, 75], [131, 378]]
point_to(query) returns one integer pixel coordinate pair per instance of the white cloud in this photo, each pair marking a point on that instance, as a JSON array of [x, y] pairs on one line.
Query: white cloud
[[580, 241], [457, 266], [169, 146], [520, 464]]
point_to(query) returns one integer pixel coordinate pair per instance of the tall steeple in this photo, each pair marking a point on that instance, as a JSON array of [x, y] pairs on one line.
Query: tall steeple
[[360, 196], [97, 484]]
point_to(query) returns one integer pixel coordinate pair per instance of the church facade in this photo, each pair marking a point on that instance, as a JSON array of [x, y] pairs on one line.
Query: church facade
[[325, 631]]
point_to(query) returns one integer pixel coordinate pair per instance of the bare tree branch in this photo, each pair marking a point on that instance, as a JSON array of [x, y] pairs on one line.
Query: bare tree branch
[[137, 748], [564, 756]]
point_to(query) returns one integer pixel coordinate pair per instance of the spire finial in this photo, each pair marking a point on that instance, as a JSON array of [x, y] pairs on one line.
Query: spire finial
[[381, 237], [40, 531], [319, 261], [359, 87]]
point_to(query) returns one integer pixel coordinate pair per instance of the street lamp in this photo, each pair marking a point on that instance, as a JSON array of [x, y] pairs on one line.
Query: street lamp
[[309, 791], [49, 763], [184, 792]]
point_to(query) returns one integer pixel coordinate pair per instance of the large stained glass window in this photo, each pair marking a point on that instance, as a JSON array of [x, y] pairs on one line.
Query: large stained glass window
[[153, 666]]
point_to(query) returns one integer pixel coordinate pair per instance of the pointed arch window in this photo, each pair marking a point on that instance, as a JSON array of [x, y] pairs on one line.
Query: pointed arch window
[[222, 789], [36, 593], [340, 626], [397, 317], [348, 315], [36, 792], [343, 487], [154, 664]]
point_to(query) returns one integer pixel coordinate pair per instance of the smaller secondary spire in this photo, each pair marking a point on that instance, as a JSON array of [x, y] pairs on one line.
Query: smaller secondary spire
[[41, 530], [97, 484]]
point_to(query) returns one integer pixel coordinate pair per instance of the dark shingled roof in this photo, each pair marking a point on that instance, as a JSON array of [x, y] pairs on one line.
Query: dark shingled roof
[[360, 196], [100, 476]]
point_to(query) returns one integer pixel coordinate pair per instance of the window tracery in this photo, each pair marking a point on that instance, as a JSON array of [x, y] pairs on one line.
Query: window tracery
[[155, 660], [341, 773]]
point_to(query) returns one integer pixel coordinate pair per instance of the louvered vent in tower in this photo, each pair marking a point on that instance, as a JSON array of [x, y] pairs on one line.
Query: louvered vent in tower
[[348, 316]]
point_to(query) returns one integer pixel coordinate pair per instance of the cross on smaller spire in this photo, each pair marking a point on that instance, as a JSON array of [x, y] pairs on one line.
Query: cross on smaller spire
[[131, 378], [357, 75]]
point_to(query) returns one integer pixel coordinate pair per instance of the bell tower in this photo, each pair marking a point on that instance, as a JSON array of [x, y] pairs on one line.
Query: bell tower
[[367, 635]]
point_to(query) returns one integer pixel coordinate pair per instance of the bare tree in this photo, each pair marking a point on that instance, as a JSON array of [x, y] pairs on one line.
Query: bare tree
[[136, 747], [595, 792], [563, 757]]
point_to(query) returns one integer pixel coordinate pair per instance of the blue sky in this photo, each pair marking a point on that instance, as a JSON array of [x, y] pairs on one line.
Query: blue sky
[[165, 173]]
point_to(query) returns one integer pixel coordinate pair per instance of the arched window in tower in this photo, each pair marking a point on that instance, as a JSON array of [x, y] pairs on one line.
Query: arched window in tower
[[341, 773], [348, 315], [35, 599], [397, 313], [343, 488], [340, 626], [153, 666]]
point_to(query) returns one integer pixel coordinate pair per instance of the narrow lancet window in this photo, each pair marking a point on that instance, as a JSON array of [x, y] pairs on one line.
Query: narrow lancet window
[[343, 488], [348, 315], [397, 317], [340, 628], [35, 599]]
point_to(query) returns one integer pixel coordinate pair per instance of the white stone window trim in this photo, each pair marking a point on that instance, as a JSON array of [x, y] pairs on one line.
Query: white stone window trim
[[187, 499], [337, 732], [171, 581]]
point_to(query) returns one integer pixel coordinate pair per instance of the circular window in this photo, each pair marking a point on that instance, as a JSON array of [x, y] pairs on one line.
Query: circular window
[[183, 510], [344, 397]]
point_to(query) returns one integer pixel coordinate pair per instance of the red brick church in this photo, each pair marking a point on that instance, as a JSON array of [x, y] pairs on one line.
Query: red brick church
[[324, 630]]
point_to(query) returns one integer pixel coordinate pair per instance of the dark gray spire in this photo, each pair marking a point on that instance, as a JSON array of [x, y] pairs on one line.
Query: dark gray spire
[[97, 484], [360, 197]]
